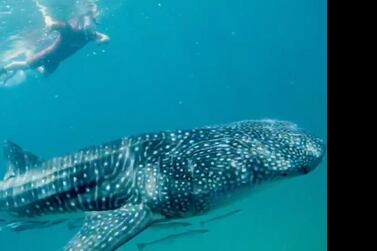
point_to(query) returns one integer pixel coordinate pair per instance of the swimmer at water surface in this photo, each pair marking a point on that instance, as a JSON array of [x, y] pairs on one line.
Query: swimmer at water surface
[[72, 36]]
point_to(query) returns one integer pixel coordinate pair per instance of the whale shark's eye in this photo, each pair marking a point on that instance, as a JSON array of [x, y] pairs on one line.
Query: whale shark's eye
[[305, 169]]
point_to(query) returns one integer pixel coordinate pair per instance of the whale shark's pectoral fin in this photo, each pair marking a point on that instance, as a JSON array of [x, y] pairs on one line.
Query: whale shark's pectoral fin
[[108, 230], [18, 160]]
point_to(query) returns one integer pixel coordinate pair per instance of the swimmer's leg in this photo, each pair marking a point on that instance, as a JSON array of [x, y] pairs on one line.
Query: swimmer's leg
[[13, 67], [16, 65], [5, 76], [8, 71]]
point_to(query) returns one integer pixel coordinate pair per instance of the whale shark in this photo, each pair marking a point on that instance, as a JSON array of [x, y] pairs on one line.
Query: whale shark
[[124, 186]]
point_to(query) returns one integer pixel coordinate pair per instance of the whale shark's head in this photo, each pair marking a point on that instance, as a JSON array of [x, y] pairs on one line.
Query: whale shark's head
[[280, 149]]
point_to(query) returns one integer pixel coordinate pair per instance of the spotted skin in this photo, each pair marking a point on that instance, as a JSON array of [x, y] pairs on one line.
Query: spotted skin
[[126, 185], [79, 182]]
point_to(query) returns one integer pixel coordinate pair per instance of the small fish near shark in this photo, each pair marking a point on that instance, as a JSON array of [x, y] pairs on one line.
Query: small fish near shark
[[220, 217], [167, 239], [125, 186], [170, 238]]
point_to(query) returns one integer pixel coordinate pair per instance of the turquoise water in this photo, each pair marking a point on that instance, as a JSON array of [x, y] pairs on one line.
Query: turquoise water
[[180, 64]]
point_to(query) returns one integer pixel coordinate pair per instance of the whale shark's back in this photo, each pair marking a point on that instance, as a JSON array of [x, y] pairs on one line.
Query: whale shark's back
[[69, 183]]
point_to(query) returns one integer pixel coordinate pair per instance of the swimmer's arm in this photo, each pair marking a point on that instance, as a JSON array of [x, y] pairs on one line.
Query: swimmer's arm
[[56, 26], [101, 38]]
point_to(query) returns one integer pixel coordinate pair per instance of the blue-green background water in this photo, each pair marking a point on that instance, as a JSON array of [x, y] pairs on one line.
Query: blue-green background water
[[182, 64]]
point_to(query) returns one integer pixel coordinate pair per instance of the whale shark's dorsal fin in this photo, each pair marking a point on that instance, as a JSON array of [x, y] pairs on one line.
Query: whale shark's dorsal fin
[[18, 161], [108, 230]]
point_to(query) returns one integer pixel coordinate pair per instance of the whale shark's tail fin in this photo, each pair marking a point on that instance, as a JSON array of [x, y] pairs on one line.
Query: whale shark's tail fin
[[108, 230], [18, 160]]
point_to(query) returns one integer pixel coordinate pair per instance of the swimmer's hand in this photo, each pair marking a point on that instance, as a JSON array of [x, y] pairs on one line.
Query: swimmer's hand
[[102, 38], [41, 70]]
